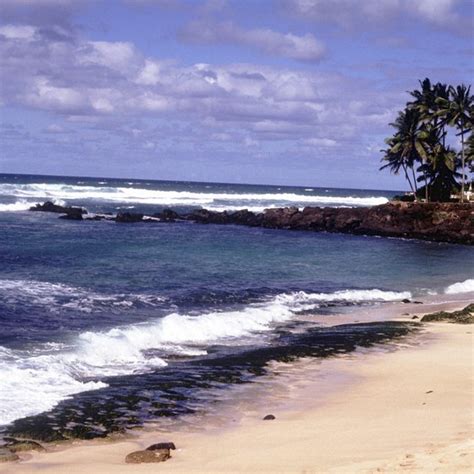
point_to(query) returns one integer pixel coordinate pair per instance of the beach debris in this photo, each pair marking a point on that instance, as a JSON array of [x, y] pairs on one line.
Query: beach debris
[[19, 445], [147, 456], [7, 456], [269, 417], [165, 445], [417, 302], [429, 391]]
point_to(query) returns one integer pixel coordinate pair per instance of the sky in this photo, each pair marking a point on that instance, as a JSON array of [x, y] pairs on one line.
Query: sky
[[291, 92]]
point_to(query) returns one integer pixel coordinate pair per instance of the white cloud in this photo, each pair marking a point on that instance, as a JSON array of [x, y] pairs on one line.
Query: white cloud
[[301, 48], [90, 82], [119, 56], [376, 12], [320, 142], [21, 32]]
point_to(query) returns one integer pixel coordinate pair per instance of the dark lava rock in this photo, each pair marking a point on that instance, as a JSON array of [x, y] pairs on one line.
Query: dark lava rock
[[166, 445], [415, 317], [70, 212], [129, 217], [73, 213], [406, 301], [269, 417], [19, 445], [7, 456], [440, 222], [167, 215], [138, 457], [464, 316]]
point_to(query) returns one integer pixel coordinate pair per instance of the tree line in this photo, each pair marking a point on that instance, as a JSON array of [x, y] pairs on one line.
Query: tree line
[[433, 168]]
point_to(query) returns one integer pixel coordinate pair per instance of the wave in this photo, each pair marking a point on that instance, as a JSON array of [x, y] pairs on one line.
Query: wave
[[17, 206], [36, 381], [465, 286], [31, 385], [211, 201], [354, 296], [57, 296]]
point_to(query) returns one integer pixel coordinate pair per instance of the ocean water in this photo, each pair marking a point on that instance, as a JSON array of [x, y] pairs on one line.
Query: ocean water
[[106, 326]]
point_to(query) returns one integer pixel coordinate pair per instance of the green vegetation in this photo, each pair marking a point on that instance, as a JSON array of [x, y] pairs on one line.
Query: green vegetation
[[437, 114]]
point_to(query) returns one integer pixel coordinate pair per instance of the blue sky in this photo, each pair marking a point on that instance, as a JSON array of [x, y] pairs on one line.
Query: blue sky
[[279, 92]]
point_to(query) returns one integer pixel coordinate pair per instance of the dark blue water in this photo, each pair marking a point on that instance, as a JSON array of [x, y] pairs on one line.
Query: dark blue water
[[115, 315]]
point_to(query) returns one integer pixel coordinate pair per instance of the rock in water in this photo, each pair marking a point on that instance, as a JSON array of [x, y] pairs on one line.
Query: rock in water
[[146, 456], [269, 417], [74, 213], [129, 217], [166, 445], [168, 215], [6, 455]]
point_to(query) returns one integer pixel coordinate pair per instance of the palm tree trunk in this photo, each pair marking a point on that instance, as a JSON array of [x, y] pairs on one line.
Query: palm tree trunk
[[427, 196], [462, 165], [414, 182], [408, 179]]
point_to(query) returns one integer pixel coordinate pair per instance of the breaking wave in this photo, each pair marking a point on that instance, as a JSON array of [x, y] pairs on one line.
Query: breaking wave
[[465, 286], [21, 205], [35, 381], [209, 200]]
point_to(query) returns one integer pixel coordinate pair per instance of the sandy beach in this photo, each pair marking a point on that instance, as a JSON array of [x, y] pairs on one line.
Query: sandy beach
[[403, 408]]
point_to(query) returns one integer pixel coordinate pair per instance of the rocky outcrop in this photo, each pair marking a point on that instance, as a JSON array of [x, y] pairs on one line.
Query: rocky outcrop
[[440, 222], [463, 316], [72, 213], [129, 217]]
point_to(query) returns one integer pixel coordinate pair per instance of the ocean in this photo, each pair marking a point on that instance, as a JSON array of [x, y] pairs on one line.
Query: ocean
[[106, 327]]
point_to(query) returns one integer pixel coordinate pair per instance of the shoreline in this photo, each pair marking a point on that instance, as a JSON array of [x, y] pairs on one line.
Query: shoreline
[[310, 401]]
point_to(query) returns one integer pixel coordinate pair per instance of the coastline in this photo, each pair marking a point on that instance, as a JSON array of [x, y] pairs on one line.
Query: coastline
[[399, 407]]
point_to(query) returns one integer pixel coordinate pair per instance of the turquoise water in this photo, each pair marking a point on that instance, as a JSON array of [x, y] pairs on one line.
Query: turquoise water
[[87, 307]]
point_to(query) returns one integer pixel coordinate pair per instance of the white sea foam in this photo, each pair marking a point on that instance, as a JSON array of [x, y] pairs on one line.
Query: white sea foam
[[57, 296], [21, 205], [180, 198], [304, 301], [31, 385], [465, 286]]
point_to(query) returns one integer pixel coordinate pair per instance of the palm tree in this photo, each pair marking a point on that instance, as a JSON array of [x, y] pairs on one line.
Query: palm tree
[[425, 99], [469, 158], [408, 146], [396, 160], [442, 173], [457, 111]]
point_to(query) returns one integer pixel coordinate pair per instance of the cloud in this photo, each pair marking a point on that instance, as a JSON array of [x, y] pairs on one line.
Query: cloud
[[93, 81], [353, 13], [301, 48]]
